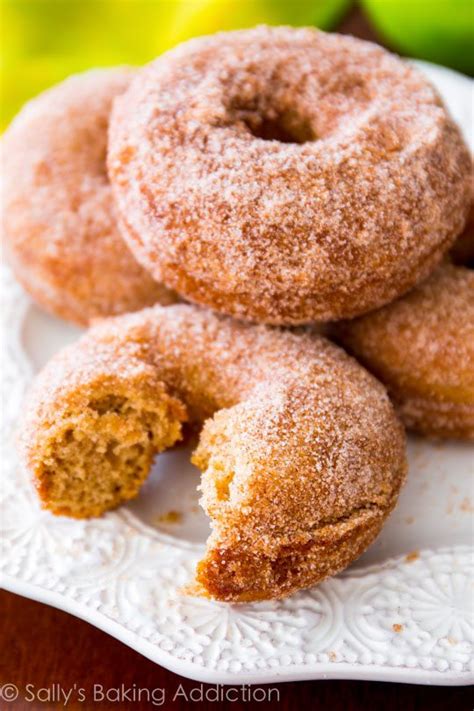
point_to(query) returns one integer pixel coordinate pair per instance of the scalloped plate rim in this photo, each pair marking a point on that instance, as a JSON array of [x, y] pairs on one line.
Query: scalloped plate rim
[[190, 670]]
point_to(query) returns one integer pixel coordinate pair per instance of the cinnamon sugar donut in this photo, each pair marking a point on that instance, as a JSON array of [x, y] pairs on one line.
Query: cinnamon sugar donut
[[60, 228], [286, 175], [301, 453], [422, 348]]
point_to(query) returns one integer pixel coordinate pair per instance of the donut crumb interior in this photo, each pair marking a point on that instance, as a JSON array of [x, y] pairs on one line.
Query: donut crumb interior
[[104, 452]]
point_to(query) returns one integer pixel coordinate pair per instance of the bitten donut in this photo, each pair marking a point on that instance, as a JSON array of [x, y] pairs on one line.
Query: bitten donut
[[301, 452], [422, 348], [286, 175], [59, 223]]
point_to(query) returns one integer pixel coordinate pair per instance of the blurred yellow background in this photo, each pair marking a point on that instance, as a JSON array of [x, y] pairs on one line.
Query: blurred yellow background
[[43, 41]]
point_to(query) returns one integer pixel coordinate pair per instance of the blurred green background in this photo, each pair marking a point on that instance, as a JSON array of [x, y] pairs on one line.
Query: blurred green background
[[45, 40]]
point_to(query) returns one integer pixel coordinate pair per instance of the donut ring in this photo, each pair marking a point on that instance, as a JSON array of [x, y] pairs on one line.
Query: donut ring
[[301, 452], [60, 227], [286, 175], [422, 348]]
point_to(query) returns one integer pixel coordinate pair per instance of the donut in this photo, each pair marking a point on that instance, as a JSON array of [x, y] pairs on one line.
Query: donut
[[286, 175], [60, 228], [422, 348], [302, 455]]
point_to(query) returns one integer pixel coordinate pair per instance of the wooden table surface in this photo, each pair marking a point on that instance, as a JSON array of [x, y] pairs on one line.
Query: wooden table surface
[[43, 649]]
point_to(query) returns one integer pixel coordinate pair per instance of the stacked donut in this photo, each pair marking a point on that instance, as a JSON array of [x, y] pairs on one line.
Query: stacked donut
[[272, 177]]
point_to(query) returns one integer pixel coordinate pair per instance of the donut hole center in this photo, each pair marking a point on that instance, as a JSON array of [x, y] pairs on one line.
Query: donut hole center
[[285, 128], [264, 120]]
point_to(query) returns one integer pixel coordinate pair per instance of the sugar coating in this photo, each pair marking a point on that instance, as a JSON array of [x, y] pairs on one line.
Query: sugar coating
[[301, 453], [359, 206], [422, 348], [60, 227]]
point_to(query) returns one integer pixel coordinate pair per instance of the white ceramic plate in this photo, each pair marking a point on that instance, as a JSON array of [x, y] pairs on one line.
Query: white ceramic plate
[[403, 612]]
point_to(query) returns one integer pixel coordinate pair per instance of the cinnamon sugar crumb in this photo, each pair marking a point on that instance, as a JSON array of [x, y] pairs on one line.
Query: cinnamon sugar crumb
[[170, 517]]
